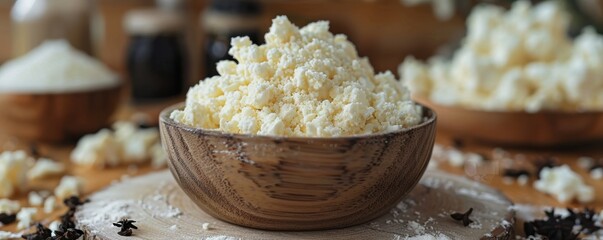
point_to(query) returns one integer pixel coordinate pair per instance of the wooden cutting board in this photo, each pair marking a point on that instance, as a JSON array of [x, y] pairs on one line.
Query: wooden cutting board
[[163, 211]]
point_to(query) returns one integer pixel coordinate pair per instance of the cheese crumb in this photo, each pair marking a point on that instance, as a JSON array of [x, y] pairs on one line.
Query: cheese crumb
[[68, 187], [25, 217], [9, 207], [35, 199], [54, 226], [564, 184], [135, 143], [205, 226], [596, 173], [302, 82], [50, 204], [516, 60], [13, 172], [44, 168], [125, 145], [99, 149]]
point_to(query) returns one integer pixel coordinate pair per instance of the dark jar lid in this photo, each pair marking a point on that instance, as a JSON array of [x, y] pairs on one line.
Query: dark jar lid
[[238, 7]]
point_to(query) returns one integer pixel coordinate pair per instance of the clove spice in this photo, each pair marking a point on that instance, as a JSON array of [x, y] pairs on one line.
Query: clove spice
[[126, 227], [464, 217]]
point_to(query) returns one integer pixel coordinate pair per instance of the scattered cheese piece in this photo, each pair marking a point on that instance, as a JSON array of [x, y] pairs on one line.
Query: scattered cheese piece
[[127, 144], [585, 162], [523, 180], [516, 60], [54, 226], [9, 207], [50, 204], [13, 172], [44, 168], [68, 187], [597, 173], [135, 143], [301, 82], [9, 235], [25, 217], [97, 150], [35, 199], [564, 184], [205, 226]]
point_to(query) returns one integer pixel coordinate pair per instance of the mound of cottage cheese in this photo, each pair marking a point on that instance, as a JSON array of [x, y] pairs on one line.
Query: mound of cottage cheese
[[516, 60], [55, 67], [302, 82]]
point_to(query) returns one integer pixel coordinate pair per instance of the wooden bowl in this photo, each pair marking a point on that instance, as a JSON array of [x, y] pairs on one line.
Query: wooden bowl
[[541, 129], [296, 183], [56, 117]]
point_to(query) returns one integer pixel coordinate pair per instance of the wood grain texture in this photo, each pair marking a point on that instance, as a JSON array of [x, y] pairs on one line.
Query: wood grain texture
[[55, 117], [296, 183], [144, 198], [542, 129]]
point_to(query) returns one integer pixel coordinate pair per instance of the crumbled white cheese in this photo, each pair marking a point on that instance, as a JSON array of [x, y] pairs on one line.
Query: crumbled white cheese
[[564, 184], [135, 143], [523, 180], [25, 217], [585, 162], [54, 226], [50, 204], [9, 235], [301, 82], [13, 172], [44, 168], [98, 150], [597, 173], [127, 144], [9, 207], [174, 227], [35, 199], [58, 68], [518, 60], [205, 226], [68, 187]]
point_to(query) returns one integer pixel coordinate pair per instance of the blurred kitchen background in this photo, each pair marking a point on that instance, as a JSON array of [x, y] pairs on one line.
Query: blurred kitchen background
[[384, 30]]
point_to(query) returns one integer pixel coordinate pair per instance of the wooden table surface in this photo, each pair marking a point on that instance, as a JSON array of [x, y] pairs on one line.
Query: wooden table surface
[[96, 179]]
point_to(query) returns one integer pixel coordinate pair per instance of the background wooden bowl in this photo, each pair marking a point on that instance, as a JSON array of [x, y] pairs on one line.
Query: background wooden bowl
[[55, 117], [295, 183], [542, 129]]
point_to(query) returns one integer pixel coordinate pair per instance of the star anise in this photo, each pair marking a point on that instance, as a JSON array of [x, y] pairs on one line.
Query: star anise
[[554, 227], [126, 227], [464, 217], [587, 221], [6, 219], [68, 234], [41, 233], [73, 202]]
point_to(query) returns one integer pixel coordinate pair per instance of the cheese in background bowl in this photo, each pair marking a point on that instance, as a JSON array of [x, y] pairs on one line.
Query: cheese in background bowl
[[56, 93], [302, 82], [517, 79], [297, 134], [516, 60]]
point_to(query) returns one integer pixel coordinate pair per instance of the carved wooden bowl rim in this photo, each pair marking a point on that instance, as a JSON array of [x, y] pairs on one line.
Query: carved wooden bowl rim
[[429, 117]]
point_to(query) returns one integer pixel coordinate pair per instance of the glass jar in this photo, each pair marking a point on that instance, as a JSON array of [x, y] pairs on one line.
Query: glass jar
[[35, 21], [155, 56], [223, 20]]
